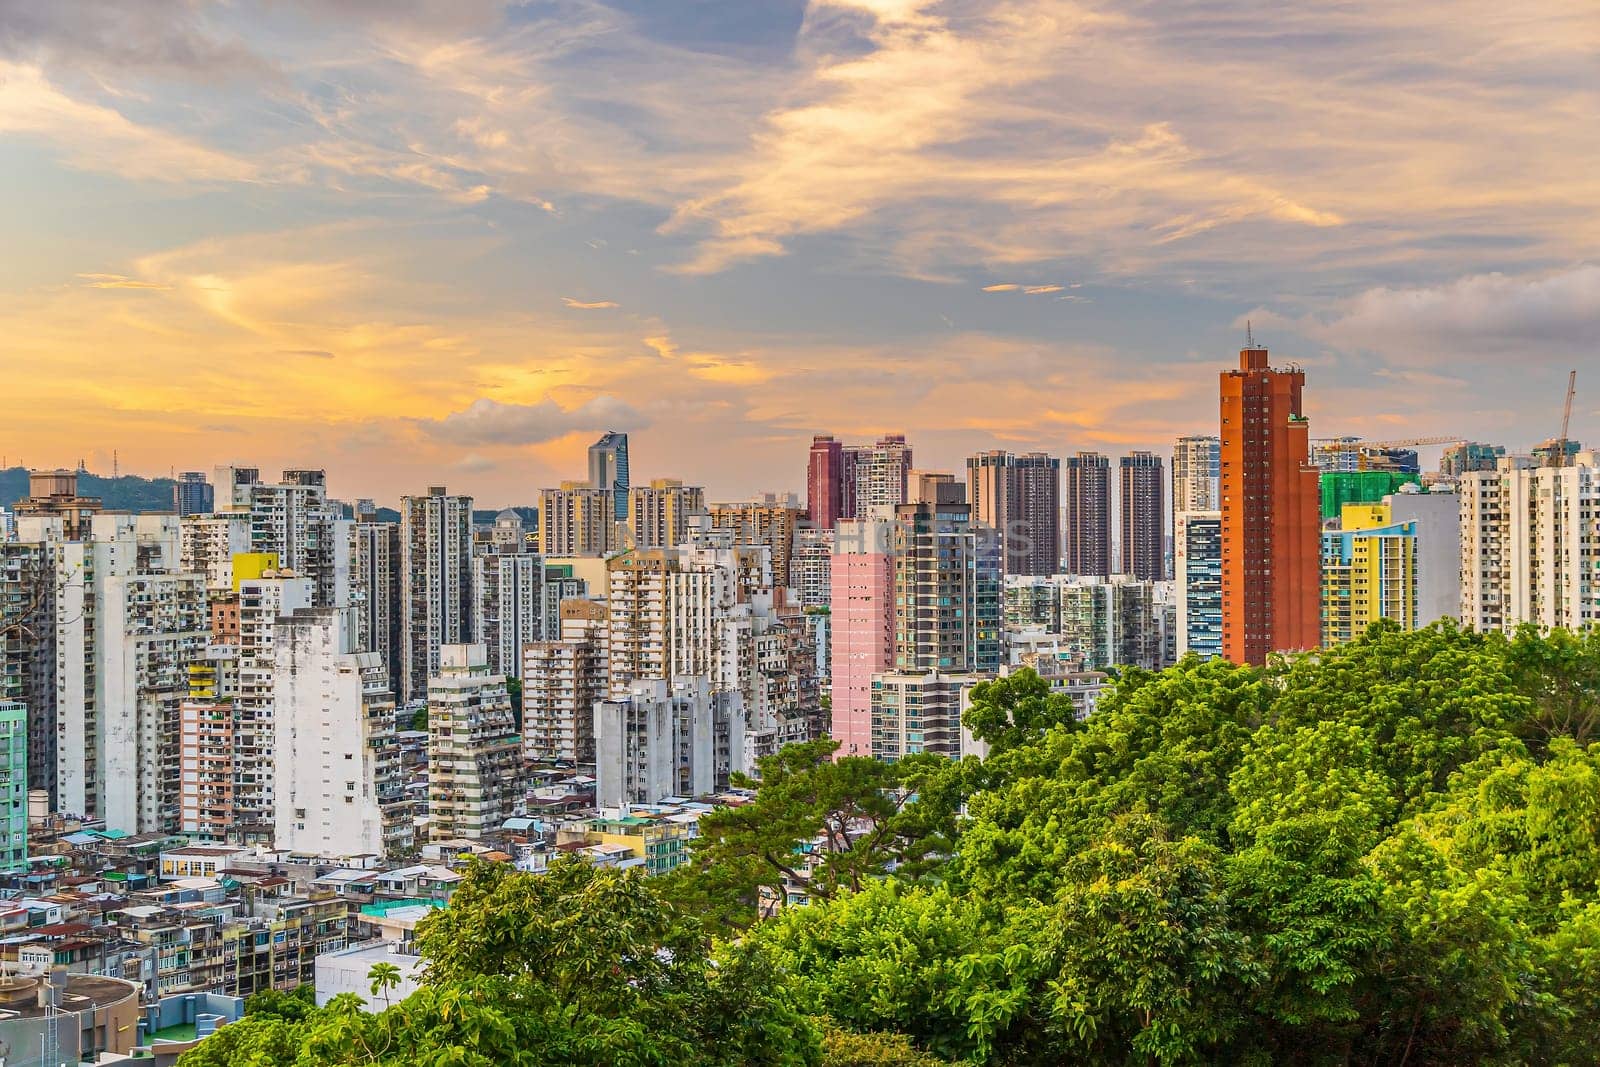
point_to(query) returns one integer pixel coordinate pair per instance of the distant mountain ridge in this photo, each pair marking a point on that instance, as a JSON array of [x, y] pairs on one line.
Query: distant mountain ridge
[[126, 493], [130, 492]]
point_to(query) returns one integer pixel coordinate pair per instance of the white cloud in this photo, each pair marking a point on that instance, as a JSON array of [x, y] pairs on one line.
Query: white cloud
[[488, 422], [94, 137], [589, 305], [1524, 317]]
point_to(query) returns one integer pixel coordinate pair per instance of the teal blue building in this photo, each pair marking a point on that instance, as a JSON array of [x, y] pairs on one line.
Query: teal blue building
[[13, 786]]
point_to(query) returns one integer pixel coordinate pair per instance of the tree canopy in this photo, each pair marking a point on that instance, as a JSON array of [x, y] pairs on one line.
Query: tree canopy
[[1386, 852]]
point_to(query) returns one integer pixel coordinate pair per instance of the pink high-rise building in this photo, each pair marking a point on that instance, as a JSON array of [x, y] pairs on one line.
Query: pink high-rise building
[[862, 627]]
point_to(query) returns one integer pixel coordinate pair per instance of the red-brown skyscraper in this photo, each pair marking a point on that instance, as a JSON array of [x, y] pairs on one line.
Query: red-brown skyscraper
[[1271, 596], [825, 482]]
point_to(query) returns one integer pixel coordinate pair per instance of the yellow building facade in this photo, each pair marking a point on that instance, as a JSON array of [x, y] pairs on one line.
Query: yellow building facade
[[1369, 572]]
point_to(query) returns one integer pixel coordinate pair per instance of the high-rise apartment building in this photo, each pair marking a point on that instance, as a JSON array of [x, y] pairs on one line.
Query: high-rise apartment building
[[127, 626], [509, 601], [1143, 517], [919, 712], [772, 521], [1469, 456], [638, 628], [209, 761], [578, 520], [862, 630], [1088, 515], [1369, 572], [947, 590], [1437, 518], [1270, 531], [1113, 622], [1019, 497], [1197, 561], [845, 481], [336, 768], [262, 603], [608, 470], [13, 787], [208, 544], [562, 680], [192, 494], [292, 519], [658, 513], [435, 584], [474, 751], [878, 474], [660, 739], [561, 584], [28, 642], [1529, 552], [375, 591], [1196, 473], [825, 485], [811, 568]]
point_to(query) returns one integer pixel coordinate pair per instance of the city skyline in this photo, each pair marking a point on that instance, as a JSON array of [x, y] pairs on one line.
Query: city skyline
[[410, 246]]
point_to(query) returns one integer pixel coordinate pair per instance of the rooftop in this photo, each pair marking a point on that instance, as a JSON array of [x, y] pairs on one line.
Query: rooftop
[[19, 996]]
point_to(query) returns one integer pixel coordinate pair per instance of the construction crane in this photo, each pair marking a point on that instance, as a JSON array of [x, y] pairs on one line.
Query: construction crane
[[1557, 454], [1412, 442]]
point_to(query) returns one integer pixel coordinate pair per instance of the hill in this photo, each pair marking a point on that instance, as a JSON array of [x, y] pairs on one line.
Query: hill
[[133, 493], [126, 493]]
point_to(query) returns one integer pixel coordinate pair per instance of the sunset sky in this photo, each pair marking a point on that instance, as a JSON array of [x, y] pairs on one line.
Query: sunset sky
[[452, 241]]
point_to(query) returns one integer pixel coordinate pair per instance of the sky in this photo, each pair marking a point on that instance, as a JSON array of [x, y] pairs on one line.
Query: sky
[[451, 241]]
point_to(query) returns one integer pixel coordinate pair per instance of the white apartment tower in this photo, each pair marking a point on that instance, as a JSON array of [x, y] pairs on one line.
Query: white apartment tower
[[208, 543], [1530, 544], [1196, 474], [509, 606], [293, 519], [336, 766], [661, 739], [127, 627], [262, 602], [880, 474]]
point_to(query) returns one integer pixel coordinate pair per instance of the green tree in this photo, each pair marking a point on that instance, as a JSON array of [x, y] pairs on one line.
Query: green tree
[[1017, 708], [514, 690], [577, 967], [1559, 671], [1142, 956], [825, 825], [385, 977], [842, 1048]]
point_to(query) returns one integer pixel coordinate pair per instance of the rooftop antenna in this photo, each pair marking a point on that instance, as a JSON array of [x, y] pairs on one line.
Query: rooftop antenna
[[1249, 335]]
